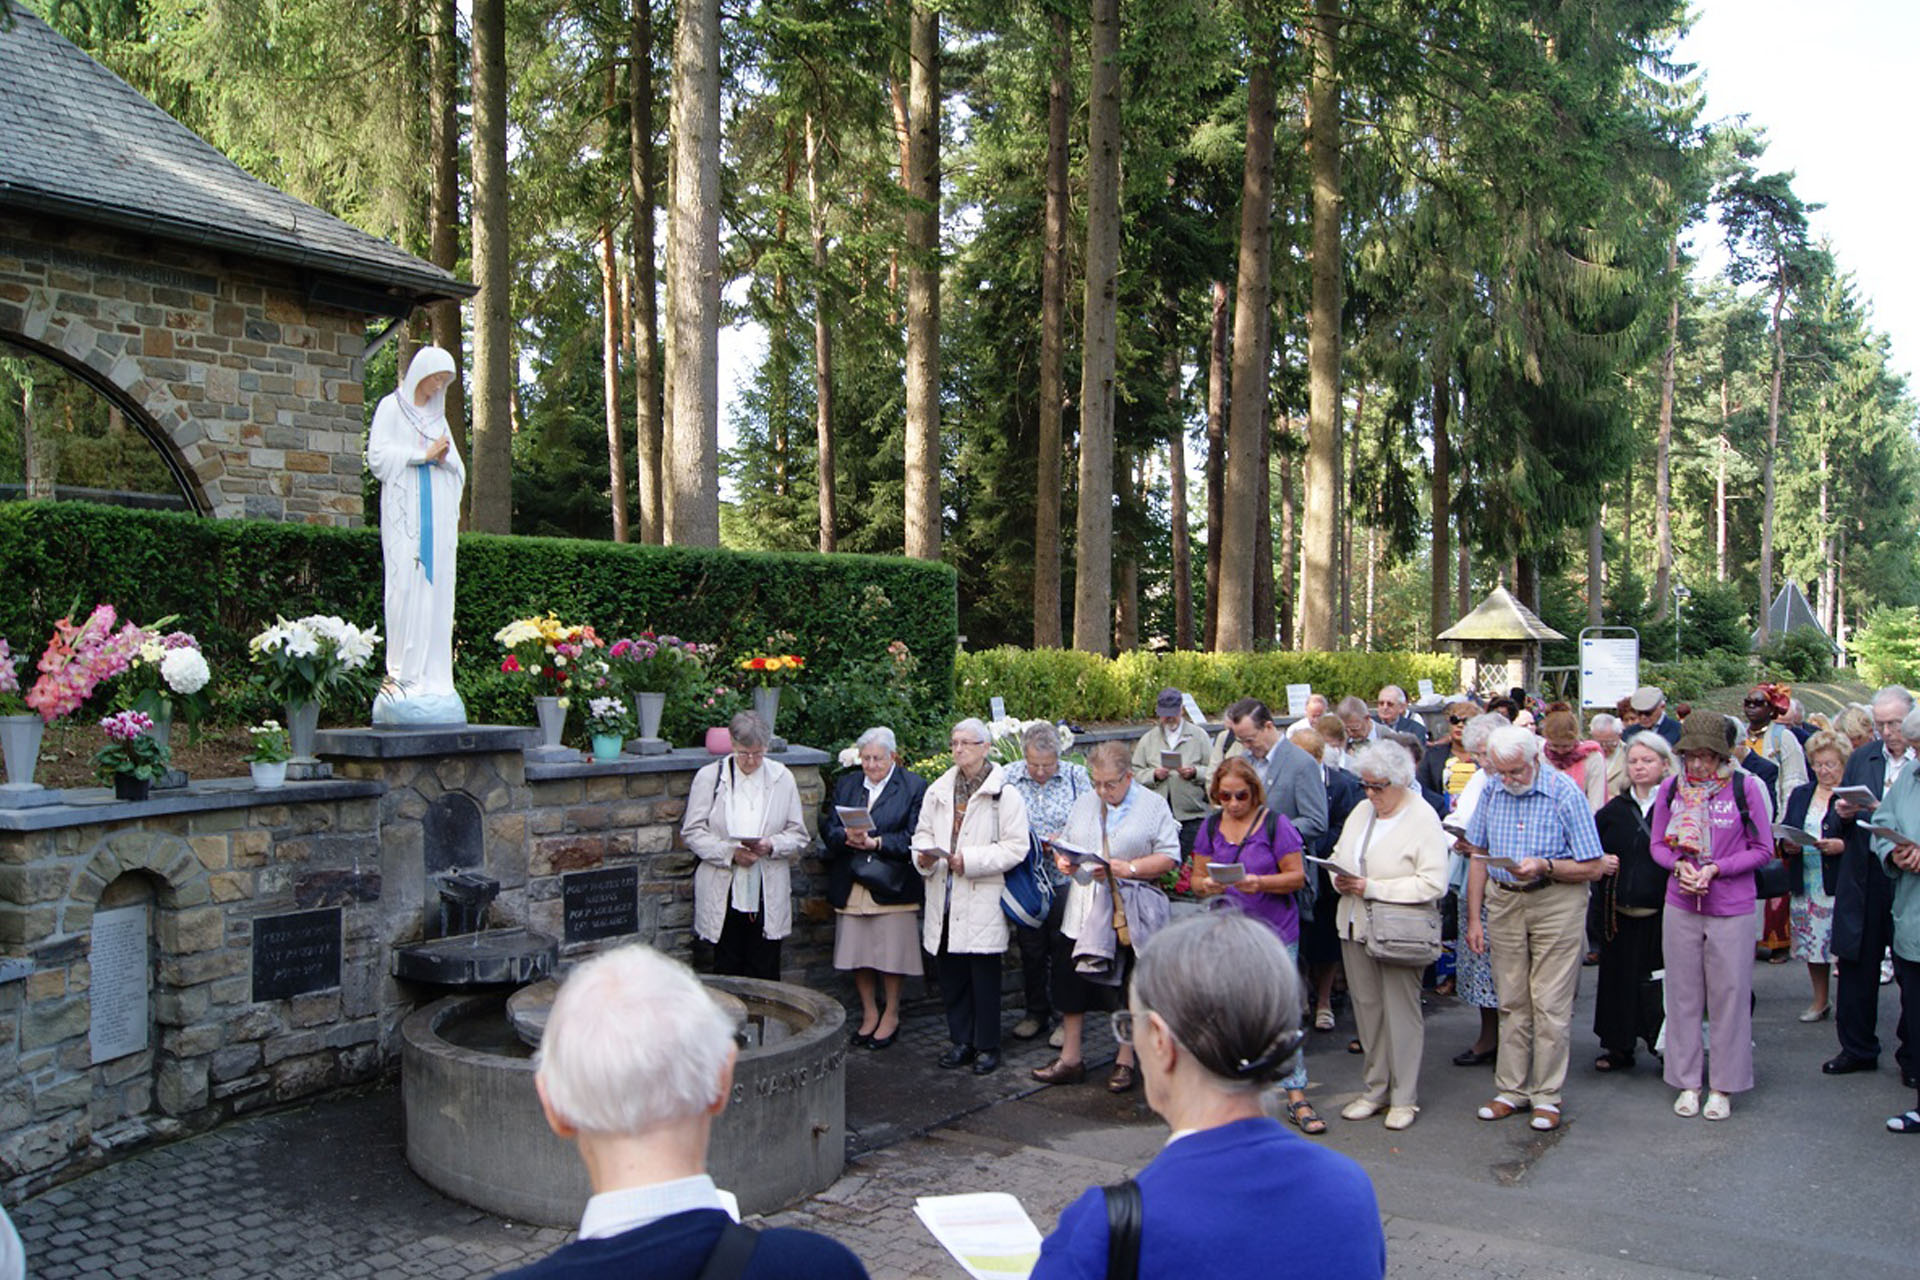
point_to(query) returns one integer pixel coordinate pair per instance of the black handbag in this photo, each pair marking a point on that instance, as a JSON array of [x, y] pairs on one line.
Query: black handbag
[[881, 876]]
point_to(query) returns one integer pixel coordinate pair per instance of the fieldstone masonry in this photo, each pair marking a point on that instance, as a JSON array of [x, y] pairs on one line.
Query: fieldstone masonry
[[218, 857], [250, 392]]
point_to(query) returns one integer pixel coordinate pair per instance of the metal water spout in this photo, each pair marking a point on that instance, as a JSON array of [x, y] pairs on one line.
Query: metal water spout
[[464, 899]]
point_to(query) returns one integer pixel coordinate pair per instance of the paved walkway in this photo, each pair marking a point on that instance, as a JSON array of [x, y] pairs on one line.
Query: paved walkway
[[1802, 1181]]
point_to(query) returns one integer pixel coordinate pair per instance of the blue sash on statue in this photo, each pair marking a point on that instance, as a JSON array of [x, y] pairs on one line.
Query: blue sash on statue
[[426, 518]]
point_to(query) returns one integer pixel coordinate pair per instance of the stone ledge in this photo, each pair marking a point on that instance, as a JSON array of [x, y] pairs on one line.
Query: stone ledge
[[681, 760], [89, 806], [401, 743]]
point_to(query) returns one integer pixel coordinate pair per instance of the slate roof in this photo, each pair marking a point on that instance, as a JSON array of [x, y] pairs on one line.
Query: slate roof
[[1790, 612], [78, 142], [1500, 617]]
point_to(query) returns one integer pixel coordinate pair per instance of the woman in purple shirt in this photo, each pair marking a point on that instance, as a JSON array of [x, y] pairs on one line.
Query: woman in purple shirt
[[1268, 846], [1713, 841]]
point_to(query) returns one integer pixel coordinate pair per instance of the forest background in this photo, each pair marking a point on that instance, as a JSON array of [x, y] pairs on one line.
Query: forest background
[[1198, 325]]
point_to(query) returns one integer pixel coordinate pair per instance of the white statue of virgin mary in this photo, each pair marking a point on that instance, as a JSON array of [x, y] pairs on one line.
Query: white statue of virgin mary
[[410, 452]]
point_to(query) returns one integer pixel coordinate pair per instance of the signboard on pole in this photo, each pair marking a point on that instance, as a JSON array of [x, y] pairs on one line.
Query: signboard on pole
[[1609, 665]]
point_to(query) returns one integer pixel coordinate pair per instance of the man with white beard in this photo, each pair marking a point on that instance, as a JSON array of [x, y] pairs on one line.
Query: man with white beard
[[1539, 822]]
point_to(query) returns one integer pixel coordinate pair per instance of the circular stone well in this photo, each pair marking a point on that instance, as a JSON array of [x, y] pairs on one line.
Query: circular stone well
[[476, 1132]]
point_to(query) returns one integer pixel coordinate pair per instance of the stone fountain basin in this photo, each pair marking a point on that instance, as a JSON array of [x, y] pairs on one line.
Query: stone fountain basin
[[476, 1132]]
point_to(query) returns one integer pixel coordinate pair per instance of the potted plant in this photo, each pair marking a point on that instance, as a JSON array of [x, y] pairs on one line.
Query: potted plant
[[267, 759], [133, 757], [717, 706], [654, 669], [610, 723], [766, 672], [78, 659], [544, 650], [20, 729], [167, 677], [299, 662]]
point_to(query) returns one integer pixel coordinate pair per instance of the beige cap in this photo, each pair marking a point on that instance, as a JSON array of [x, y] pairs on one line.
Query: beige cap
[[1646, 698]]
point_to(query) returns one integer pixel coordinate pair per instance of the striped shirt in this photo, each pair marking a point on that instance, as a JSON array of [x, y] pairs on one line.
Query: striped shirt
[[1550, 819]]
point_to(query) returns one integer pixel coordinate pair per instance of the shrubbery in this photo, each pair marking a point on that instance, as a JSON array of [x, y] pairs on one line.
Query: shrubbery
[[1064, 684], [1689, 678], [1801, 654], [226, 579], [1887, 648]]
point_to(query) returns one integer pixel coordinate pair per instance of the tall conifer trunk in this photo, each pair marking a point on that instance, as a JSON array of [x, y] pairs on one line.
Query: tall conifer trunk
[[923, 285], [1322, 533], [1093, 526], [492, 462], [1053, 342]]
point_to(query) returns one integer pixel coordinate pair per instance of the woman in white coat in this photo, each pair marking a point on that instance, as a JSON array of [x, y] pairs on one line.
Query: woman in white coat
[[744, 823], [973, 830], [410, 452]]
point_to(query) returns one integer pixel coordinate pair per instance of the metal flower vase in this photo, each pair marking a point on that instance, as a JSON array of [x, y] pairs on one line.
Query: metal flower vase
[[553, 719], [650, 706], [20, 745], [766, 704], [303, 721]]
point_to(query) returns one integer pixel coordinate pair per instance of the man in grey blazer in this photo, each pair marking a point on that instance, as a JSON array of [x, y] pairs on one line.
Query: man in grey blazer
[[1291, 776]]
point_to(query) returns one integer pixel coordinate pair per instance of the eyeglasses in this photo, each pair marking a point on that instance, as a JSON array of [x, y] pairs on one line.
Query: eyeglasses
[[1374, 786], [1122, 1024], [749, 753], [1109, 784], [1519, 773], [1236, 795], [1753, 702], [965, 742], [1458, 719]]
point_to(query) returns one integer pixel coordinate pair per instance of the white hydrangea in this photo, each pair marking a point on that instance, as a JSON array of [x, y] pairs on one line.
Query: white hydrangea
[[605, 707], [185, 670], [849, 757]]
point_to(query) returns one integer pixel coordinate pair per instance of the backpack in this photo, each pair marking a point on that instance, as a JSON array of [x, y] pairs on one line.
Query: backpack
[[1303, 897], [1772, 878]]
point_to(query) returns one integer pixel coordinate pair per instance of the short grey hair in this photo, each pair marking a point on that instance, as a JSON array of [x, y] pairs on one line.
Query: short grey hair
[[1384, 760], [1474, 736], [1655, 743], [1227, 989], [1399, 694], [1043, 738], [748, 730], [1515, 742], [973, 727], [1110, 755], [1894, 693], [634, 1042], [1605, 723], [878, 736], [1910, 727], [1350, 706]]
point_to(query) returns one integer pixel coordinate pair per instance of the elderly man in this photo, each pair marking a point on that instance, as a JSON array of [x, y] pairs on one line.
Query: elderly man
[[744, 823], [1290, 776], [1361, 727], [1863, 900], [1391, 705], [1182, 785], [1049, 788], [636, 1061], [1648, 708], [1538, 824], [1317, 706]]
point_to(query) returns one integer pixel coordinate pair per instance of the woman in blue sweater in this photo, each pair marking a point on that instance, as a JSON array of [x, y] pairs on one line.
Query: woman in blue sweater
[[1214, 1015]]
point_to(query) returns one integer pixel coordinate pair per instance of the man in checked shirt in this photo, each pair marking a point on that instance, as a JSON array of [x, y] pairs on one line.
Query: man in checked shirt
[[1538, 822]]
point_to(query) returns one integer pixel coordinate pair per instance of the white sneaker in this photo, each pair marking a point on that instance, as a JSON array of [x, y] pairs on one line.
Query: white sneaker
[[1361, 1109], [1687, 1104], [1719, 1105], [1059, 1036], [1886, 970], [1401, 1117]]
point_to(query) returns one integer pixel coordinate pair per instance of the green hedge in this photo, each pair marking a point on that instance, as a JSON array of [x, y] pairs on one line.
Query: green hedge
[[228, 578], [1065, 684]]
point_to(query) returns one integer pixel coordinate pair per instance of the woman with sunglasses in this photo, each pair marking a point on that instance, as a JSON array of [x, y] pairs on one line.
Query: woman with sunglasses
[[1398, 850], [1267, 847], [1214, 1016]]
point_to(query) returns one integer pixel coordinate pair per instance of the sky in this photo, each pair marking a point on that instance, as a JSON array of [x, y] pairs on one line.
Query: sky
[[1836, 86]]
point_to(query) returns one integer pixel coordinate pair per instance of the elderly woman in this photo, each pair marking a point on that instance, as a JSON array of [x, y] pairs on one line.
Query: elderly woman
[[1815, 871], [1265, 845], [1900, 811], [1215, 1012], [1581, 759], [1625, 910], [871, 883], [1712, 841], [743, 822], [1396, 844], [1610, 732], [1473, 970], [1049, 788], [1126, 839], [972, 831]]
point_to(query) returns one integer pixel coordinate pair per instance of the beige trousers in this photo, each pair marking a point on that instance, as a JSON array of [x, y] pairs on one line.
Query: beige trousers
[[1386, 1010], [1535, 939]]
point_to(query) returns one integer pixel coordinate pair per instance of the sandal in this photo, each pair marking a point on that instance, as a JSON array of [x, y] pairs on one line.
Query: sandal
[[1354, 1046], [1613, 1062], [1301, 1113], [1323, 1020], [1500, 1108], [1908, 1123], [1546, 1118]]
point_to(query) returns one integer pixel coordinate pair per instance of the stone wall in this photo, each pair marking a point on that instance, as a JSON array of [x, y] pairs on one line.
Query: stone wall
[[251, 392], [216, 860]]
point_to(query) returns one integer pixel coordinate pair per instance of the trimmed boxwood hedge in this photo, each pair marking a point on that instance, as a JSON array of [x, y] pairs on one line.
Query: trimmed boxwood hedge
[[1065, 684], [228, 578]]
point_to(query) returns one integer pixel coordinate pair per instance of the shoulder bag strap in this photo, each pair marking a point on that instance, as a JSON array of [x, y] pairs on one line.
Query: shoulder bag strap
[[731, 1253], [1125, 1215]]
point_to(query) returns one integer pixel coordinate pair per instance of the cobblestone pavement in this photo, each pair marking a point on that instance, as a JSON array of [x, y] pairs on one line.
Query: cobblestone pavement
[[1624, 1190]]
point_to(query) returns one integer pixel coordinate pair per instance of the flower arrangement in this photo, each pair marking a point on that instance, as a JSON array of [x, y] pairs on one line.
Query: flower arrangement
[[81, 658], [270, 744], [649, 663], [11, 703], [131, 748], [542, 649], [168, 669], [302, 660], [719, 705], [1005, 745], [610, 716], [769, 669]]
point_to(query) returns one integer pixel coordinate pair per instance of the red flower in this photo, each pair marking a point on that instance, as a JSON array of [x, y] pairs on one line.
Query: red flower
[[511, 665]]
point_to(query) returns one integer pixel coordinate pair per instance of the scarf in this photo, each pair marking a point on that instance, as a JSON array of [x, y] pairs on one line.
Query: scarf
[[1564, 758], [1688, 830]]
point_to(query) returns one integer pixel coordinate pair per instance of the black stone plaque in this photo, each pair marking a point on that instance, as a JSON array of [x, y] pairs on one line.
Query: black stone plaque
[[454, 834], [297, 953], [601, 904]]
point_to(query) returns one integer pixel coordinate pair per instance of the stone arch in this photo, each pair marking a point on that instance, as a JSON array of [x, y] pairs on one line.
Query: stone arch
[[96, 369], [168, 858]]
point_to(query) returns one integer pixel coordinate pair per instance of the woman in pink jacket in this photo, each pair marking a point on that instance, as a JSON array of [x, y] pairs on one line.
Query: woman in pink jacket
[[1713, 840]]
